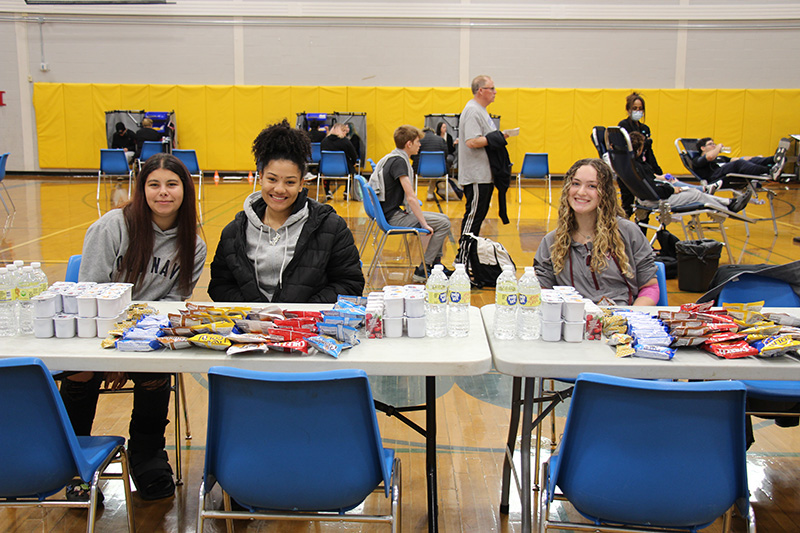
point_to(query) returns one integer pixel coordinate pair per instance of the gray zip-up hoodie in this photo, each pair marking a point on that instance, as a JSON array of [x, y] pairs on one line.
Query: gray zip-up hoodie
[[107, 241], [271, 250]]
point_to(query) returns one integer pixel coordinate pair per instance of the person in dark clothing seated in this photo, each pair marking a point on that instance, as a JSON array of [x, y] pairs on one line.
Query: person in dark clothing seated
[[441, 131], [430, 142], [146, 133], [316, 131], [124, 139], [678, 196], [714, 168], [337, 141], [284, 246], [634, 106]]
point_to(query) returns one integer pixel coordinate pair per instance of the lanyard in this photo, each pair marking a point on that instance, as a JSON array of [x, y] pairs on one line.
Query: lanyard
[[594, 277]]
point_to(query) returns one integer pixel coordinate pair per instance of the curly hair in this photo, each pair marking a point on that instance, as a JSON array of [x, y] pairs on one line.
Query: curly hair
[[281, 141], [607, 239]]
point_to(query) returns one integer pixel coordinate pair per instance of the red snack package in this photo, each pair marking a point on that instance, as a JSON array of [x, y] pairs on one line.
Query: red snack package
[[286, 334], [316, 315], [724, 337], [290, 347], [308, 324], [697, 308], [731, 350], [722, 326]]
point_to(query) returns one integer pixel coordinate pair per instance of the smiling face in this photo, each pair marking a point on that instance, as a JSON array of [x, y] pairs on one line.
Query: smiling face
[[281, 182], [583, 195], [163, 190]]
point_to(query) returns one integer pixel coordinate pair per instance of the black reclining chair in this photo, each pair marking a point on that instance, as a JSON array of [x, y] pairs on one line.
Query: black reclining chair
[[599, 141], [687, 150], [621, 155]]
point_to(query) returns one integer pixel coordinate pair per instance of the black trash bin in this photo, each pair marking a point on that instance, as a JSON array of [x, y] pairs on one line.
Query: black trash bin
[[697, 262]]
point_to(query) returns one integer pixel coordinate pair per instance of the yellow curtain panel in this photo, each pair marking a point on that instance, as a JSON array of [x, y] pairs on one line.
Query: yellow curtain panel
[[220, 121]]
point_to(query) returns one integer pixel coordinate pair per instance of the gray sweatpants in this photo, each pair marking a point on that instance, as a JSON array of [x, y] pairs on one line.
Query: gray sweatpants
[[440, 224]]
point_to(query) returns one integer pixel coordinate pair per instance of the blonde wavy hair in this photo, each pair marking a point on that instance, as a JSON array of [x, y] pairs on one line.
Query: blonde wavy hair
[[607, 239]]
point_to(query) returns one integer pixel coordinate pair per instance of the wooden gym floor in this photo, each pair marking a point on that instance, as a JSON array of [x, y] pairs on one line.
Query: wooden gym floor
[[53, 214]]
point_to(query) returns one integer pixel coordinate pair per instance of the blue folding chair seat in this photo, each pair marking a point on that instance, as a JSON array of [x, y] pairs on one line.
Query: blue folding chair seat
[[534, 166], [387, 229], [625, 458], [39, 452], [433, 165], [149, 149], [189, 158], [113, 163], [313, 449], [333, 166]]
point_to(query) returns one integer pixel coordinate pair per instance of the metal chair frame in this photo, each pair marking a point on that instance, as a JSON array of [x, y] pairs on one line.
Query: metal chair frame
[[333, 166], [113, 163], [434, 165]]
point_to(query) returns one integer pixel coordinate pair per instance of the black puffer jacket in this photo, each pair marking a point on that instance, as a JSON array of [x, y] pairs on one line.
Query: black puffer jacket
[[325, 262]]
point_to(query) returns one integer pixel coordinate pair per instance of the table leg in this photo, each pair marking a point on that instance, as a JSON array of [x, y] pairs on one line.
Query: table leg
[[430, 453], [511, 443], [525, 454]]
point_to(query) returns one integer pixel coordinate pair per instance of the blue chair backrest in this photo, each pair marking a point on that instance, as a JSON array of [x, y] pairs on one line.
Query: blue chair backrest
[[628, 437], [3, 161], [661, 276], [316, 153], [380, 216], [368, 207], [535, 166], [73, 268], [634, 432], [150, 148], [333, 164], [749, 287], [188, 158], [39, 452], [113, 162], [432, 164], [312, 440]]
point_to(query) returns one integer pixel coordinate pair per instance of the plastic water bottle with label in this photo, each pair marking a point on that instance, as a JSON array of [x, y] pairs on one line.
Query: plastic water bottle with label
[[458, 292], [40, 277], [8, 306], [26, 289], [436, 304], [529, 317], [505, 299]]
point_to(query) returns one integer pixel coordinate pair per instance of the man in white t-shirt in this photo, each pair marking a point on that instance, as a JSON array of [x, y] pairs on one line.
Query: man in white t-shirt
[[474, 174]]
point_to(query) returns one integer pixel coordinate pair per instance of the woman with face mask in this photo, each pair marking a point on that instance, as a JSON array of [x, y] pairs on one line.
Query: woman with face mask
[[634, 105]]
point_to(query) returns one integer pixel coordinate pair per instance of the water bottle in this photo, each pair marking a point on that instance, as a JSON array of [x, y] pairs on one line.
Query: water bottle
[[26, 287], [14, 274], [529, 316], [436, 304], [458, 292], [505, 299], [40, 277], [8, 306]]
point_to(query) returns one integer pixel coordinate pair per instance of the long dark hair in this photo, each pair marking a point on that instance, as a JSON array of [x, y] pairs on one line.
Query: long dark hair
[[139, 221]]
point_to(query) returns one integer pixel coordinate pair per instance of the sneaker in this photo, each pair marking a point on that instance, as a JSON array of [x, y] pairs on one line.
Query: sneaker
[[711, 188], [79, 492], [419, 275], [775, 172], [740, 202]]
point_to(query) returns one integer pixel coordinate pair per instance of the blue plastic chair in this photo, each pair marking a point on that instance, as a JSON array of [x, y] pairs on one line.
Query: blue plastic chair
[[189, 158], [73, 268], [313, 448], [534, 166], [625, 458], [661, 276], [149, 149], [387, 230], [3, 161], [113, 163], [369, 209], [333, 166], [749, 287], [316, 153], [39, 452], [434, 165]]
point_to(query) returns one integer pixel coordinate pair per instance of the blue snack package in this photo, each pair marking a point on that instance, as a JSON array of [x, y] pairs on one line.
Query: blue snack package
[[326, 345], [138, 345]]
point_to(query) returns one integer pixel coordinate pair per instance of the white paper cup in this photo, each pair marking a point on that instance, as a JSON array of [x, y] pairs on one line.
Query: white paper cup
[[87, 326], [43, 327], [64, 326], [392, 326], [573, 331], [415, 326], [551, 330]]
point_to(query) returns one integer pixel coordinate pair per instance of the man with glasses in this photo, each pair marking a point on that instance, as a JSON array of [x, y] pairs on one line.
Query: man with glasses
[[474, 173], [714, 168]]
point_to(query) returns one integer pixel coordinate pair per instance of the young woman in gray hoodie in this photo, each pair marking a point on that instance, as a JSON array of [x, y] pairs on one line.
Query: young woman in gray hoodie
[[283, 246], [152, 242]]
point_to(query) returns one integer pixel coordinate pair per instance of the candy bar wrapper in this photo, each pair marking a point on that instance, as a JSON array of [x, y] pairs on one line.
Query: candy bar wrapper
[[140, 333], [174, 343], [152, 321], [625, 350], [352, 300], [687, 341], [752, 306], [269, 314], [210, 340], [222, 327], [340, 332], [715, 317], [315, 315], [180, 320], [783, 319], [138, 345], [765, 330], [248, 338], [299, 346], [346, 319], [619, 338], [724, 337], [184, 331], [697, 308], [286, 334], [260, 347], [776, 345], [653, 352], [252, 326], [731, 350], [108, 342], [326, 345], [675, 315], [308, 324]]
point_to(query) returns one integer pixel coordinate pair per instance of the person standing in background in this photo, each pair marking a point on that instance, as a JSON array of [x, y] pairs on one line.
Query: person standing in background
[[634, 106]]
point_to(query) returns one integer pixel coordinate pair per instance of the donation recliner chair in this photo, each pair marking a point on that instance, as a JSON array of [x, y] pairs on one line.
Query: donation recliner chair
[[621, 155], [687, 151]]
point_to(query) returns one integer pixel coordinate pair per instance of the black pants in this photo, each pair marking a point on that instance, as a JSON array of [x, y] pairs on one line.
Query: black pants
[[755, 166], [150, 406], [478, 197]]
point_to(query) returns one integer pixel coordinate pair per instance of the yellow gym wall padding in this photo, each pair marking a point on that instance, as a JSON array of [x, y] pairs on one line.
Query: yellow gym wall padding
[[221, 121]]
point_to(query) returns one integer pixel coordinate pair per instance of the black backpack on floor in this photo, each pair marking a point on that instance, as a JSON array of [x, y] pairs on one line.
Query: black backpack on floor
[[484, 259]]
